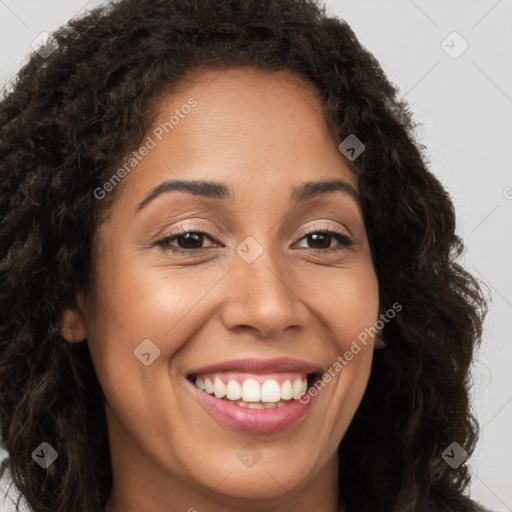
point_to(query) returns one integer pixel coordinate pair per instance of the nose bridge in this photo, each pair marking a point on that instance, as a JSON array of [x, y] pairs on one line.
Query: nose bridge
[[261, 294]]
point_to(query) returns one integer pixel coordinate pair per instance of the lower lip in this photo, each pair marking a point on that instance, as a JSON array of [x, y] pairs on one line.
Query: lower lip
[[258, 421]]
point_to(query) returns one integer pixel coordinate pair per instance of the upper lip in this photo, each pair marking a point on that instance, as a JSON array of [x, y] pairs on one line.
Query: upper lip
[[253, 365]]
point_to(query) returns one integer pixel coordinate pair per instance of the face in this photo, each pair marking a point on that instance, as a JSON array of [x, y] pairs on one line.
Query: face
[[251, 287]]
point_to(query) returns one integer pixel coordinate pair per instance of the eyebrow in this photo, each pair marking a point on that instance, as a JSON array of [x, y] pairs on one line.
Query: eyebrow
[[215, 190]]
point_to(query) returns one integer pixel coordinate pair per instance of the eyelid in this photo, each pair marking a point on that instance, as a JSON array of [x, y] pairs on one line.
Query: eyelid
[[172, 234], [326, 227], [186, 228], [344, 241], [189, 227]]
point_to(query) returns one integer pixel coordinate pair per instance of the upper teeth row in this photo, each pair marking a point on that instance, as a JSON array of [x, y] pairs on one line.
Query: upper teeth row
[[251, 391]]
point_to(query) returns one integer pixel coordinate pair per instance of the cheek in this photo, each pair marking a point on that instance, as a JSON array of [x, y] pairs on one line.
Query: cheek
[[349, 305], [141, 300], [147, 296], [347, 300], [357, 311], [137, 301], [144, 298]]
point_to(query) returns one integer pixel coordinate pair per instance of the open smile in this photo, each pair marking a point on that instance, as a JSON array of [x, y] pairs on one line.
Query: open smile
[[254, 401]]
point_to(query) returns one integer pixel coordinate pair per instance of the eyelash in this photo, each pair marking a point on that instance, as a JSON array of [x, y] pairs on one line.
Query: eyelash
[[344, 240]]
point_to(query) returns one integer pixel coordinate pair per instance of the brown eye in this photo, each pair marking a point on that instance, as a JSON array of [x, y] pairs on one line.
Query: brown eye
[[321, 240], [186, 241], [190, 240]]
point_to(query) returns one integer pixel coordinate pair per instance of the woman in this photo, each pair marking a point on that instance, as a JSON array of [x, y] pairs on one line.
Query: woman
[[212, 214]]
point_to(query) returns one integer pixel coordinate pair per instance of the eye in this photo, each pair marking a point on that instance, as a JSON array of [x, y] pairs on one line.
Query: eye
[[321, 240], [189, 241]]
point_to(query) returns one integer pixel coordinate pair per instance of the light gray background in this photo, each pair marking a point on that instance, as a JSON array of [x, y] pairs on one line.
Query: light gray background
[[465, 107]]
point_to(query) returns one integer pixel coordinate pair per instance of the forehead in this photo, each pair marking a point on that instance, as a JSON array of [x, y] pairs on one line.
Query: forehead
[[257, 131]]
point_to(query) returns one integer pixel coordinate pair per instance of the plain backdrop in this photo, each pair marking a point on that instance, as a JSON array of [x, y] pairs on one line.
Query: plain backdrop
[[462, 98]]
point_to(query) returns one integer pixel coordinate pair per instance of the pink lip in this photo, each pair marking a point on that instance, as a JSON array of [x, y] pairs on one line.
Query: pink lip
[[251, 365], [257, 421]]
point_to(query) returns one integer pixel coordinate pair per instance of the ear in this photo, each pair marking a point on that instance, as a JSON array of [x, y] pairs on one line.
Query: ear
[[379, 342], [72, 324]]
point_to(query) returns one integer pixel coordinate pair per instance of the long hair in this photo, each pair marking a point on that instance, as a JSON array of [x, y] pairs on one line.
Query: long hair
[[66, 123]]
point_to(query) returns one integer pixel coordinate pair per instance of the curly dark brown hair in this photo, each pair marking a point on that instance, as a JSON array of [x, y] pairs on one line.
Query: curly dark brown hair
[[66, 123]]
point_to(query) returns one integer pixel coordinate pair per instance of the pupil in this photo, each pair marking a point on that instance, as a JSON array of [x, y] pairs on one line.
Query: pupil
[[315, 237], [193, 240], [190, 239]]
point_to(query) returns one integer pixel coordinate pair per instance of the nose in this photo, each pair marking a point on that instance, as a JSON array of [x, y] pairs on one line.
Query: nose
[[262, 296]]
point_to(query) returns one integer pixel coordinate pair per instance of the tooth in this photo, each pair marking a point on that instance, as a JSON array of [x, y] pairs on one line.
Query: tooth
[[286, 390], [296, 389], [219, 388], [208, 386], [254, 405], [233, 390], [270, 391], [251, 391], [270, 405]]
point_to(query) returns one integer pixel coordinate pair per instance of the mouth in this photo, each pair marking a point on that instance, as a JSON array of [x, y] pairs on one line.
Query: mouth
[[255, 391], [254, 401]]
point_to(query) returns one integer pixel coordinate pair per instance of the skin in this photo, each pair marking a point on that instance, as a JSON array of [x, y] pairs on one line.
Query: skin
[[260, 133]]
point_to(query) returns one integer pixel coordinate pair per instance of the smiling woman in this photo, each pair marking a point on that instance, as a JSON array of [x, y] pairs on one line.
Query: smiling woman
[[191, 298]]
